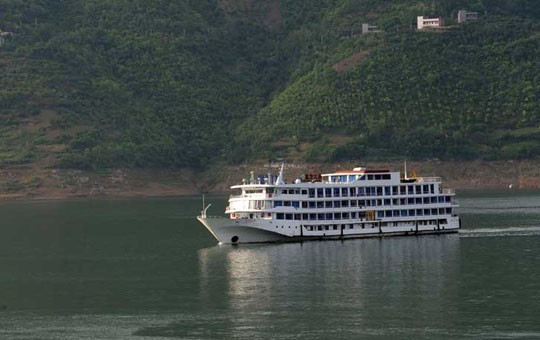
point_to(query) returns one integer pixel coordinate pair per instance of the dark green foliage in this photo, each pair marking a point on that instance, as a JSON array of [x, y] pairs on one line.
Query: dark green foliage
[[186, 83], [419, 94]]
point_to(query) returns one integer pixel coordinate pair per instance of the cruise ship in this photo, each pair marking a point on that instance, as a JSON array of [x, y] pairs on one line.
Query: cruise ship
[[335, 206]]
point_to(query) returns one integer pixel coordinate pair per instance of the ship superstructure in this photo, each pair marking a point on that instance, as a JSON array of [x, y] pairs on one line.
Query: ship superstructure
[[340, 205]]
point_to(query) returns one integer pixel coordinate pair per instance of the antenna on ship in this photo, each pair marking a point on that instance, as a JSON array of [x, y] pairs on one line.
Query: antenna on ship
[[405, 172], [279, 180]]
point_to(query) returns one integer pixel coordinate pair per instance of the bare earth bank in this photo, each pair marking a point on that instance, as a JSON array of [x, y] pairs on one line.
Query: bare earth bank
[[61, 183]]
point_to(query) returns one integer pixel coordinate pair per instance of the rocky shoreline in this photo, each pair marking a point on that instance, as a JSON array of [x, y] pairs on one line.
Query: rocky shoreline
[[31, 183]]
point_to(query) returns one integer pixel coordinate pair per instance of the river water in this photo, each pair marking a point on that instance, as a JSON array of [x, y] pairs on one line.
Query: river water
[[145, 269]]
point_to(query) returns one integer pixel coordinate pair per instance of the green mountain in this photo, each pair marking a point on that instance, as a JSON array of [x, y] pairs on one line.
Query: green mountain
[[94, 84]]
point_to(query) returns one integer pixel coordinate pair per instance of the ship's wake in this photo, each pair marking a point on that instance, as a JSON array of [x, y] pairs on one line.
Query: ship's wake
[[498, 232]]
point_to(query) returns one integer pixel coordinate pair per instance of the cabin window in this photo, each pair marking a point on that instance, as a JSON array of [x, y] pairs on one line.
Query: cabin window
[[345, 216], [411, 212], [354, 203], [312, 217], [388, 213], [329, 216], [311, 205], [336, 192], [387, 201], [394, 190], [320, 217], [296, 204], [304, 204], [370, 177], [410, 190], [320, 192], [419, 212], [279, 216], [343, 178], [402, 190], [426, 189], [305, 217], [328, 192], [379, 191], [328, 204], [278, 203], [387, 191], [353, 215], [344, 192], [380, 214], [304, 192], [404, 213], [434, 212], [418, 189], [345, 204], [410, 200], [378, 177], [320, 204], [361, 203], [288, 216], [352, 178], [386, 176], [337, 216], [287, 203], [297, 217], [311, 193], [353, 192], [337, 204]]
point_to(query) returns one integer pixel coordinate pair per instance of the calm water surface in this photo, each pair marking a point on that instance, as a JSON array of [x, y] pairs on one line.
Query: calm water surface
[[145, 269]]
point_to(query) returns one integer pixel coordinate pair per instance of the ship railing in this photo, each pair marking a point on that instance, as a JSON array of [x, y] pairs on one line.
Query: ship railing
[[207, 217], [449, 191], [428, 179]]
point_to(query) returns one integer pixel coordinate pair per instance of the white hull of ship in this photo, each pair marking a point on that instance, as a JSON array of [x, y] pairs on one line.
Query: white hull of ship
[[235, 231]]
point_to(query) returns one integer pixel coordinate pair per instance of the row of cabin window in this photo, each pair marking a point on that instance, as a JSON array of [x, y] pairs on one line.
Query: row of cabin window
[[363, 191], [361, 214], [369, 225], [352, 178], [363, 203]]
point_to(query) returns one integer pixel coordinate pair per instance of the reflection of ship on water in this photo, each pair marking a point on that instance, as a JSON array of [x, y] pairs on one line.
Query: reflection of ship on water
[[332, 282]]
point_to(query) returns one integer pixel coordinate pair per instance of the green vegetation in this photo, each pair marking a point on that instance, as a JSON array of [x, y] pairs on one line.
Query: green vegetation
[[184, 84]]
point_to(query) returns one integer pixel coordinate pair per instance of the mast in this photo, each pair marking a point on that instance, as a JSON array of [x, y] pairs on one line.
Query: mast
[[279, 180]]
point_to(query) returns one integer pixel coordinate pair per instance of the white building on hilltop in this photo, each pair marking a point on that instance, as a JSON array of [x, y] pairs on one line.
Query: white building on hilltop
[[464, 16], [367, 28], [423, 23]]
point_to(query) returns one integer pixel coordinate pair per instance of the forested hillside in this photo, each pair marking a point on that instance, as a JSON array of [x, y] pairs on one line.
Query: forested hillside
[[96, 84]]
